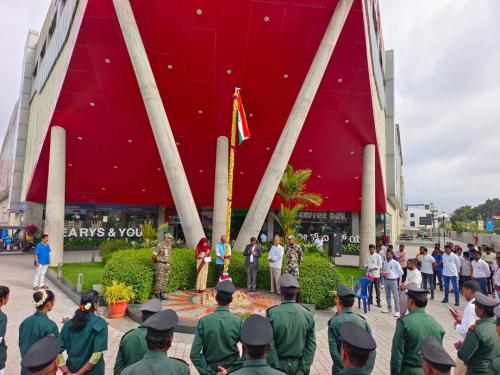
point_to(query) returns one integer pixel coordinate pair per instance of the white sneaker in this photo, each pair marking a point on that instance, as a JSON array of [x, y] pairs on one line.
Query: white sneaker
[[396, 315], [385, 310]]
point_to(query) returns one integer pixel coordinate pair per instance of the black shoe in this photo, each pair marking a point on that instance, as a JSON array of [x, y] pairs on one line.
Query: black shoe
[[379, 305], [158, 296], [163, 297], [457, 304], [444, 301], [432, 297]]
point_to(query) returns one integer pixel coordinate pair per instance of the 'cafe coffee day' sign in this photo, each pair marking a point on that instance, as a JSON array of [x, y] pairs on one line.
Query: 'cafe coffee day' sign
[[102, 232]]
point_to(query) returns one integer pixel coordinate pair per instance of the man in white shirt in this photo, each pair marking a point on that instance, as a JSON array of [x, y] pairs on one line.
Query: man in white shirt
[[496, 279], [465, 267], [464, 320], [263, 237], [489, 258], [480, 272], [427, 264], [451, 265], [373, 265], [319, 243], [413, 275], [275, 260], [392, 272]]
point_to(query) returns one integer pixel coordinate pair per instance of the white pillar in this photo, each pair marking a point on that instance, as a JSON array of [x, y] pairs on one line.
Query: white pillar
[[219, 220], [367, 227], [286, 143], [172, 164], [56, 186], [355, 224]]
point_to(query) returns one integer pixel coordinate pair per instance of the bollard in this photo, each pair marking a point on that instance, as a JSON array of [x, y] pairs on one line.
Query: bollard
[[92, 257], [352, 281], [79, 283], [59, 271]]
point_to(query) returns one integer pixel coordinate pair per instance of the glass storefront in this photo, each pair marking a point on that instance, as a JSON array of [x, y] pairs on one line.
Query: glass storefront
[[107, 221]]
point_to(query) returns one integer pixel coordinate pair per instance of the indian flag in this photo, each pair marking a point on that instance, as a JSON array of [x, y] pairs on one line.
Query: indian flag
[[241, 120]]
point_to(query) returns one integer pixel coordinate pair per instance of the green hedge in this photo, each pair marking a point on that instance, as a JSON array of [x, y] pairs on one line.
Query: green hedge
[[107, 248], [318, 277]]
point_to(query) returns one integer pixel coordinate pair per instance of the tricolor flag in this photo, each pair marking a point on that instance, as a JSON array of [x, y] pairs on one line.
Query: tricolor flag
[[241, 120]]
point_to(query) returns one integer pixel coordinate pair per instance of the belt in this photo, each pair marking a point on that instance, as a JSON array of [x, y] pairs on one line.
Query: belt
[[390, 279], [163, 262]]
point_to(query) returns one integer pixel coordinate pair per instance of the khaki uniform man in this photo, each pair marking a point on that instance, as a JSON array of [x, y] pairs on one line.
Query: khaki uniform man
[[293, 331], [159, 338], [161, 259], [481, 344]]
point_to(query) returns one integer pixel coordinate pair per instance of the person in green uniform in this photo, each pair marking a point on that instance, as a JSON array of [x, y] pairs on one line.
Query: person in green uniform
[[42, 357], [481, 344], [37, 325], [357, 346], [435, 360], [293, 325], [495, 366], [344, 303], [215, 344], [161, 260], [160, 334], [4, 299], [411, 329], [133, 344], [85, 338], [256, 337]]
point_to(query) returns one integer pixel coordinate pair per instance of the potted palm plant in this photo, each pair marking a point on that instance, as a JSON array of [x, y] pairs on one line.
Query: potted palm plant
[[118, 295]]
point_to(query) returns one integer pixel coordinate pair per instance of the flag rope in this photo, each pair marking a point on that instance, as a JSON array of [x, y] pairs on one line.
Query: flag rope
[[230, 178]]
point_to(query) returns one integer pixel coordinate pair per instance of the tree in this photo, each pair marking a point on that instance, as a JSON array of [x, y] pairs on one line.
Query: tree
[[294, 197]]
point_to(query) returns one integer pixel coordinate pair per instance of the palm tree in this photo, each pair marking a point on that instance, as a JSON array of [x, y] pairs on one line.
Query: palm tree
[[292, 190]]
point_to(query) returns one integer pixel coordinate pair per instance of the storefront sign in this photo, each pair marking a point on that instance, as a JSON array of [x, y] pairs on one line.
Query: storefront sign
[[102, 232], [311, 237], [335, 216]]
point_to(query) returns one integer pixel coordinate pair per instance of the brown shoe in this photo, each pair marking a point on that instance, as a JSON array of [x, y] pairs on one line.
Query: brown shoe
[[44, 287], [35, 288]]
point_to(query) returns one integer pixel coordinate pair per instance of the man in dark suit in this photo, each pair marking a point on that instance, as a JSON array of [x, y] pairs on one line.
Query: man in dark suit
[[252, 253]]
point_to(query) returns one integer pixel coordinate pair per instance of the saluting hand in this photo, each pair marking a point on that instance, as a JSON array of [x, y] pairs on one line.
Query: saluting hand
[[221, 370]]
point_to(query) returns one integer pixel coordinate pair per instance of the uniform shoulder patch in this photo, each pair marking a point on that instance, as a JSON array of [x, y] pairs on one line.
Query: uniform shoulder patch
[[272, 307], [126, 333], [180, 360]]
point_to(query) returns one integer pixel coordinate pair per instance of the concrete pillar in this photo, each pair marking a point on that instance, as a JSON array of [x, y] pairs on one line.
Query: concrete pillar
[[221, 190], [355, 224], [270, 226], [33, 214], [286, 143], [172, 164], [367, 228], [56, 187]]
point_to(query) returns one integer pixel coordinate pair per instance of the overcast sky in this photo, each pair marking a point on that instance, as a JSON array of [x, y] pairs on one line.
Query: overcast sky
[[447, 56]]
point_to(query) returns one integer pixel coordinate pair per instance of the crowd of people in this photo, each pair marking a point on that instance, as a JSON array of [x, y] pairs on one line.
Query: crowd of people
[[284, 340]]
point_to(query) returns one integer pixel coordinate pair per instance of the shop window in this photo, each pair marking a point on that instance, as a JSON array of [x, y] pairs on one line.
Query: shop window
[[412, 215], [42, 52], [53, 25], [412, 223]]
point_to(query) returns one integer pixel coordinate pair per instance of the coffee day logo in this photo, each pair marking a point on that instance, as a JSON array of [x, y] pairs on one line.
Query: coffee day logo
[[102, 232]]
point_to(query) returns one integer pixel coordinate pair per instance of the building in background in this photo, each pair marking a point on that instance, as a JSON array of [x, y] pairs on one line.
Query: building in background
[[82, 152], [423, 216]]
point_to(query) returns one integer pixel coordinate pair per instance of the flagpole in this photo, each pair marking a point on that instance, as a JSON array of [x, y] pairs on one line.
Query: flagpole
[[230, 178]]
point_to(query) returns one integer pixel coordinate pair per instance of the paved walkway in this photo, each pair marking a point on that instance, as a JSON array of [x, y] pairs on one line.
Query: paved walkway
[[17, 272]]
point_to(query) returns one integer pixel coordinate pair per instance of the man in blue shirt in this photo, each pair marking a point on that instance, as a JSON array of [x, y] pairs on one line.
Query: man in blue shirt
[[220, 252], [42, 261], [438, 271]]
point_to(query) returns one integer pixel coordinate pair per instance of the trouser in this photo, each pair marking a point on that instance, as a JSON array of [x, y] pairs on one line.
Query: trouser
[[220, 269], [454, 285], [162, 272], [251, 277], [439, 276], [490, 282], [483, 284], [292, 366], [427, 282], [463, 279], [391, 288], [376, 283], [275, 276], [40, 271]]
